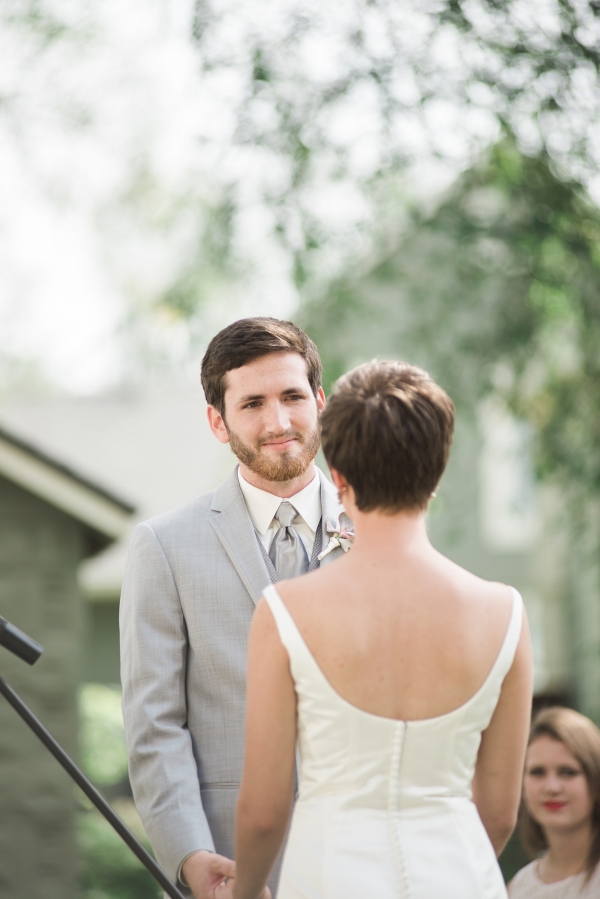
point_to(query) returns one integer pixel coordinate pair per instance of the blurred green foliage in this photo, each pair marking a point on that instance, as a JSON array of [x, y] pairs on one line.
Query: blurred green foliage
[[533, 51], [533, 67], [109, 870], [498, 291], [513, 858], [102, 735]]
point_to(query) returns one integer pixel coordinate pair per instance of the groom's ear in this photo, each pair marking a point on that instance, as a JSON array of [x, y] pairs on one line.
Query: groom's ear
[[216, 423], [321, 401]]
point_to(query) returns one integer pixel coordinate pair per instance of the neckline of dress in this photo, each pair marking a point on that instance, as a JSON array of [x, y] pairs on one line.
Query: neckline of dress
[[413, 721], [545, 883]]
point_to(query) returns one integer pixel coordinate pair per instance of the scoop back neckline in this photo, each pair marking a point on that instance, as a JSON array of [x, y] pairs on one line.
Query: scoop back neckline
[[413, 721]]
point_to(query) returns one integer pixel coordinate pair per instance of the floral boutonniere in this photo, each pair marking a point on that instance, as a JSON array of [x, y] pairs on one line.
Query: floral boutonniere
[[341, 533]]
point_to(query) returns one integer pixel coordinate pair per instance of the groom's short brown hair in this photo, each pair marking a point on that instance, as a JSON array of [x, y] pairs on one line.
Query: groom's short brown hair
[[248, 339], [387, 429]]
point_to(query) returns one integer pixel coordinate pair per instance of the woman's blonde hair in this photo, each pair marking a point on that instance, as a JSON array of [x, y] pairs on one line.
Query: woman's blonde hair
[[582, 738]]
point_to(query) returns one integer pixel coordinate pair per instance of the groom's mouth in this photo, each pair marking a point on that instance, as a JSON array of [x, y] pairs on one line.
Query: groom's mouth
[[281, 445]]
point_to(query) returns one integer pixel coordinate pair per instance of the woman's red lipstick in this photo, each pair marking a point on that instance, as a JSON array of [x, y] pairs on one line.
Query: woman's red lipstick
[[554, 806]]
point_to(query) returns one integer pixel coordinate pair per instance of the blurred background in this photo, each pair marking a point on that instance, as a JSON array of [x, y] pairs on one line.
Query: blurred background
[[415, 180]]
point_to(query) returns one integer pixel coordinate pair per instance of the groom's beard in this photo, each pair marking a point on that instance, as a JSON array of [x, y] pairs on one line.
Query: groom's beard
[[281, 467]]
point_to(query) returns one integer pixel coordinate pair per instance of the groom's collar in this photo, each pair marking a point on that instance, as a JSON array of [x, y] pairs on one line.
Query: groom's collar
[[230, 492], [262, 506]]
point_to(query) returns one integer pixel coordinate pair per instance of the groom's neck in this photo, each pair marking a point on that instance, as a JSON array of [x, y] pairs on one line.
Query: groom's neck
[[283, 489]]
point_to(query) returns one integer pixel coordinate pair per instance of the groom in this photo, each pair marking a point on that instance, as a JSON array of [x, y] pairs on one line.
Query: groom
[[192, 580]]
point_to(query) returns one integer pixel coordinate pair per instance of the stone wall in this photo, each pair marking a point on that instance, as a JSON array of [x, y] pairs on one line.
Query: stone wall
[[101, 662], [40, 549]]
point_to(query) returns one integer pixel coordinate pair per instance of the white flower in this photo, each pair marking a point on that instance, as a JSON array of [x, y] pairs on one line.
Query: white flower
[[340, 536]]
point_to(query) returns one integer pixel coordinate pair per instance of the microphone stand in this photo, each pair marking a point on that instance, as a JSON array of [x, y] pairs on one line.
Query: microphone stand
[[27, 649]]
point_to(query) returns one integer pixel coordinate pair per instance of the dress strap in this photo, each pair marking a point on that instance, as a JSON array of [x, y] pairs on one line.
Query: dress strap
[[275, 603], [508, 649], [303, 665], [289, 634]]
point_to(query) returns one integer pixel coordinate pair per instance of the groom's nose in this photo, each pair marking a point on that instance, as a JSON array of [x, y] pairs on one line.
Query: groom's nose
[[277, 419]]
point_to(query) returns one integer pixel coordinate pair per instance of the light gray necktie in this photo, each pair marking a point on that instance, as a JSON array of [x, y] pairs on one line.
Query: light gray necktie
[[287, 551]]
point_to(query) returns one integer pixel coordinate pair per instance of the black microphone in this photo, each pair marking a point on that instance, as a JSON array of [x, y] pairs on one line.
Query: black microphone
[[19, 643]]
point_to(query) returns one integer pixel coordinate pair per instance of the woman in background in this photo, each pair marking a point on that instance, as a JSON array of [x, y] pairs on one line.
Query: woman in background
[[560, 814]]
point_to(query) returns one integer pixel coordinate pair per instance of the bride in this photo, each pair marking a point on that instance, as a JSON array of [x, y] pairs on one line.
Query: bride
[[404, 679]]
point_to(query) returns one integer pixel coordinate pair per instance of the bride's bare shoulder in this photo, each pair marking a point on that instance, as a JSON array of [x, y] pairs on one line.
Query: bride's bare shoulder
[[300, 589], [492, 596]]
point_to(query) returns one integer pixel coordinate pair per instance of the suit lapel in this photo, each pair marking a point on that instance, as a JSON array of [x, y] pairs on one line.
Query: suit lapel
[[331, 509], [233, 527]]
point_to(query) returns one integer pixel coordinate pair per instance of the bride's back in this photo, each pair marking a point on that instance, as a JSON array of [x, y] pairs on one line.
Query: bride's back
[[406, 638], [397, 629]]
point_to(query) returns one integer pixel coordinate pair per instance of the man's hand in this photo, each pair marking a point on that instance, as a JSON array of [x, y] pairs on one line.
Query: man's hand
[[204, 871]]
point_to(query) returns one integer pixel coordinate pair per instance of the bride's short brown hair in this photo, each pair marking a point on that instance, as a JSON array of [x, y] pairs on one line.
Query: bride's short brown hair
[[387, 429]]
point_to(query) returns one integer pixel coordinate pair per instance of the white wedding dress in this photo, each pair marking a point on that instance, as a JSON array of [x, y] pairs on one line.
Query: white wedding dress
[[384, 807]]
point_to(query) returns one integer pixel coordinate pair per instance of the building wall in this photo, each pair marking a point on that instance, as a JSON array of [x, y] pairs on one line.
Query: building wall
[[40, 549], [101, 663], [491, 518], [584, 608]]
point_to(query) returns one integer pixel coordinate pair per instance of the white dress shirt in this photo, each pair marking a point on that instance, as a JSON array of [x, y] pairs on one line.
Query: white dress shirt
[[262, 507]]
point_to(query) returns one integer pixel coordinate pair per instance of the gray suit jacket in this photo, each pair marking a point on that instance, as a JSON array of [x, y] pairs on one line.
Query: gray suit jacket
[[192, 580]]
